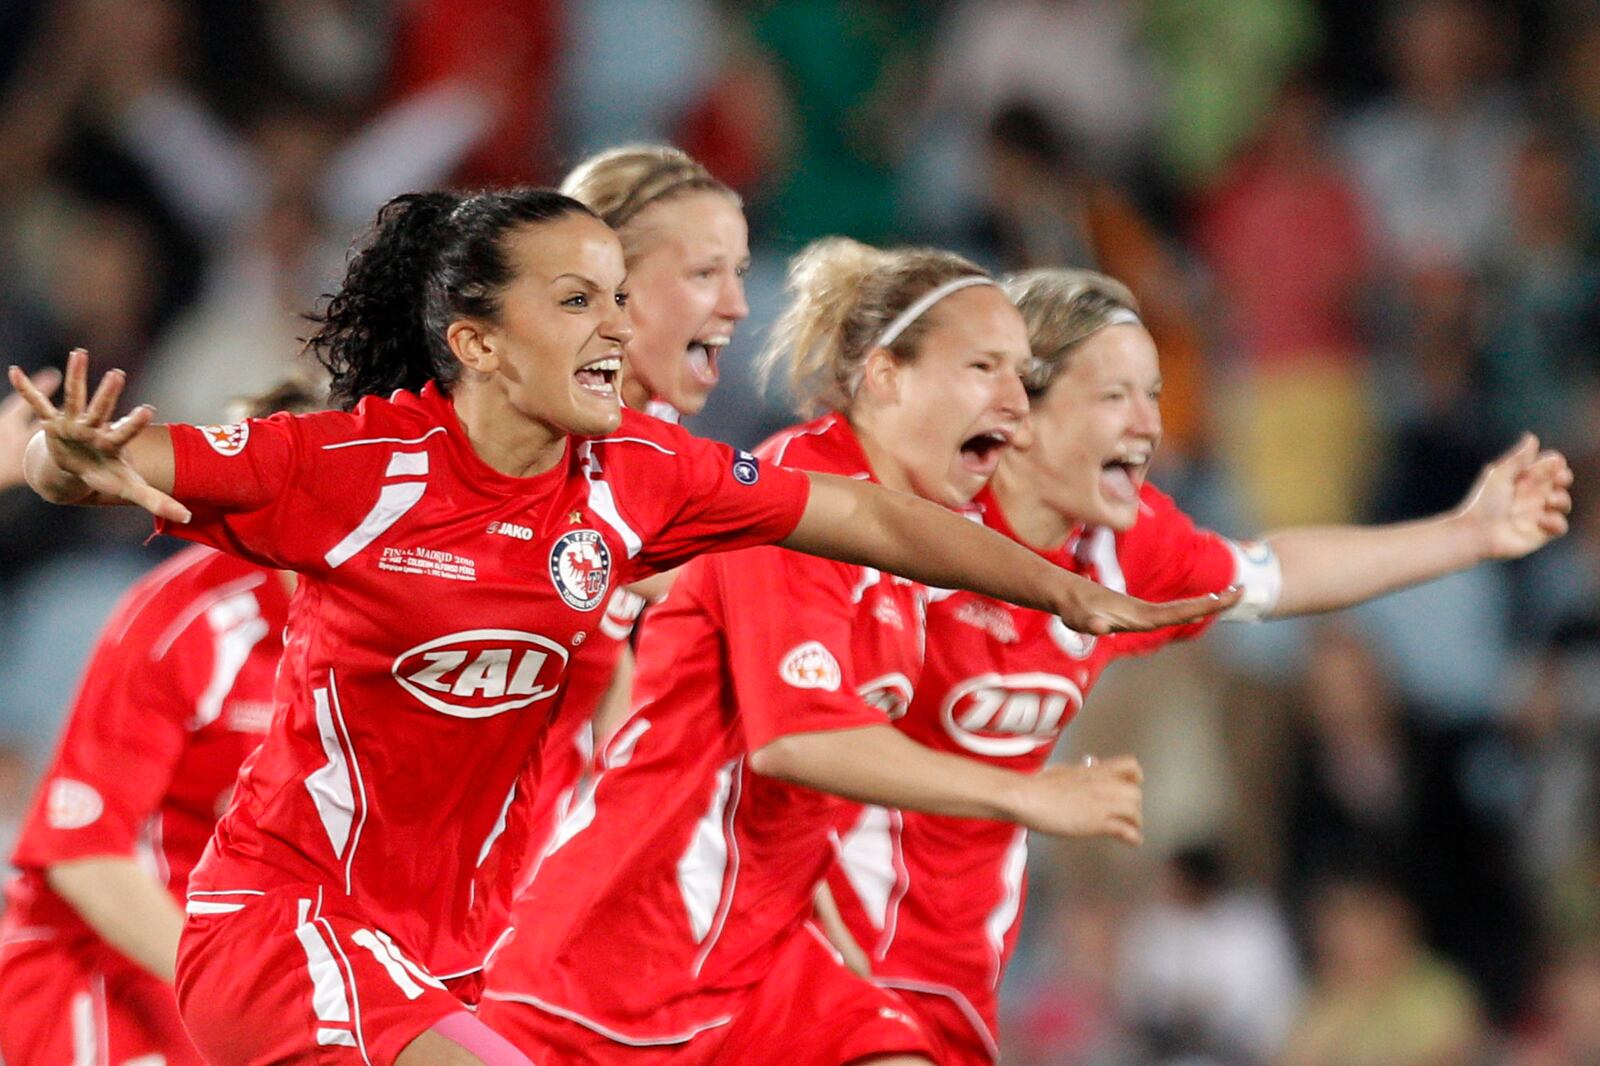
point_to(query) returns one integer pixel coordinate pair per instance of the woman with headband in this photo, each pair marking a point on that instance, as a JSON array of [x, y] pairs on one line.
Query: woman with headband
[[669, 921], [935, 902], [481, 465], [686, 248]]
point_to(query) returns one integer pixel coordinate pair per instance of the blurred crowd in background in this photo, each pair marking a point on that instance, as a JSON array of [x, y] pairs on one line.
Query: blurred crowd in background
[[1365, 239]]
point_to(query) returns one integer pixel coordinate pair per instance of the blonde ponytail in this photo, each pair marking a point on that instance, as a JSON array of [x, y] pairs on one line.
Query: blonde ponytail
[[843, 294]]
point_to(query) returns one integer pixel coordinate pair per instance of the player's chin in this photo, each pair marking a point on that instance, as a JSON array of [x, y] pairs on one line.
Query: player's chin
[[593, 415]]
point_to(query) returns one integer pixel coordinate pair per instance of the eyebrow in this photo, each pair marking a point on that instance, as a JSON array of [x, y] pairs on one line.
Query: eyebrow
[[586, 282]]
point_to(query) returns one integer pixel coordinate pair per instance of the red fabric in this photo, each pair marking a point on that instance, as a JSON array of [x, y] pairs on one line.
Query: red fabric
[[511, 49], [677, 882], [438, 605], [58, 1005], [299, 974], [1290, 250], [937, 901]]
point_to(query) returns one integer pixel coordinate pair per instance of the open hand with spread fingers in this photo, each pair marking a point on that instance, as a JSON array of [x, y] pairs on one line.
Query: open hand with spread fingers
[[1521, 501], [84, 455]]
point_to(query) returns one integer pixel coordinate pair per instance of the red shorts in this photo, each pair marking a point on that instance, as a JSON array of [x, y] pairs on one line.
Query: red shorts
[[959, 1034], [297, 974], [808, 1009], [76, 1001]]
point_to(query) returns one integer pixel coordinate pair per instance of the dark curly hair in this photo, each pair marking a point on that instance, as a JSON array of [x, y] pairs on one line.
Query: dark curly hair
[[429, 259]]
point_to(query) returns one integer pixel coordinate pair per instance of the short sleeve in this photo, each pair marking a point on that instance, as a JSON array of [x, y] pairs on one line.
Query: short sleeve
[[1167, 557], [788, 619], [724, 499], [124, 737], [238, 482], [287, 491]]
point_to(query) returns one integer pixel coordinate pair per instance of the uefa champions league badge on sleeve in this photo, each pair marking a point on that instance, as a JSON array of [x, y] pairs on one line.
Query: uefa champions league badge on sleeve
[[226, 440], [580, 568], [746, 468]]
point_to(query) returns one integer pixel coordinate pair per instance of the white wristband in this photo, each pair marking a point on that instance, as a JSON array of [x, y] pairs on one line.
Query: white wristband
[[1259, 575]]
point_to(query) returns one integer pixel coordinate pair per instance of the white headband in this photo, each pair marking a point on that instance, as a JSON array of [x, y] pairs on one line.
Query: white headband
[[903, 320], [1121, 317]]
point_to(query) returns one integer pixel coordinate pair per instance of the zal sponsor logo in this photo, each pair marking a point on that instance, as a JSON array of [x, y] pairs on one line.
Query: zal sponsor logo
[[480, 673], [890, 694], [580, 568], [512, 530], [1009, 714]]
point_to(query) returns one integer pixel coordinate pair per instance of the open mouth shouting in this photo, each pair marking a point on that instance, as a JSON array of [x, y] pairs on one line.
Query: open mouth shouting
[[980, 453], [599, 377], [702, 359], [1122, 475]]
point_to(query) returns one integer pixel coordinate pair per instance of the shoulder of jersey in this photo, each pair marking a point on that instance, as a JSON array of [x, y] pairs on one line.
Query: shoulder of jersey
[[174, 584], [1156, 510], [823, 444]]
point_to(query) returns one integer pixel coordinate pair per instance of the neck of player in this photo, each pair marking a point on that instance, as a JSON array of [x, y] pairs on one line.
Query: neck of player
[[1040, 526], [505, 438]]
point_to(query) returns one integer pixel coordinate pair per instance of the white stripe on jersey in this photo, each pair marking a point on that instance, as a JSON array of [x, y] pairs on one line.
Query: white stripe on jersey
[[236, 627], [868, 856], [201, 604], [159, 578], [703, 867], [634, 440], [393, 502], [603, 503], [499, 825], [736, 775], [1004, 916], [332, 792], [355, 767], [407, 464], [383, 440]]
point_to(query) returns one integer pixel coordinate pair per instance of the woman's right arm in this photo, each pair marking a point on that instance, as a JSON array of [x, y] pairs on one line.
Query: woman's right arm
[[122, 903], [879, 764], [80, 455]]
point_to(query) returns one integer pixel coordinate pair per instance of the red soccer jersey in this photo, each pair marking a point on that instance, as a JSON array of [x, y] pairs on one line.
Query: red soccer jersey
[[177, 693], [439, 604], [678, 879], [934, 900]]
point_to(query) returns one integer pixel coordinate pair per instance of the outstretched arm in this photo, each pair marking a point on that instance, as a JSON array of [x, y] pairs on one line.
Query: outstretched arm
[[1519, 503], [861, 523], [80, 455], [879, 764]]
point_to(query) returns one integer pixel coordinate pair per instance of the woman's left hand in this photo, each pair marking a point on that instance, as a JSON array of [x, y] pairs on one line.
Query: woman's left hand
[[1520, 502]]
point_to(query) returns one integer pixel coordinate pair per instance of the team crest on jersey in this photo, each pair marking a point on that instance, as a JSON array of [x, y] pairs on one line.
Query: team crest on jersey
[[580, 568], [227, 440], [746, 468], [810, 665], [1007, 715], [72, 804]]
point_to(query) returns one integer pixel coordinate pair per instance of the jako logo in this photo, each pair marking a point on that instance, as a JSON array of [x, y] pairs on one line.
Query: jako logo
[[1009, 714], [480, 673], [511, 529]]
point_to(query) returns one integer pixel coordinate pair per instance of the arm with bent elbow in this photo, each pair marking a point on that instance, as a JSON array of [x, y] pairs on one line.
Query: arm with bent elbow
[[878, 764], [1518, 504], [861, 523], [125, 905]]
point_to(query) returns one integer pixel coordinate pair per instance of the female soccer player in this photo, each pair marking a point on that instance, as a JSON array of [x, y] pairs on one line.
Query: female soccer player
[[454, 529], [935, 902], [669, 921], [686, 247], [177, 693]]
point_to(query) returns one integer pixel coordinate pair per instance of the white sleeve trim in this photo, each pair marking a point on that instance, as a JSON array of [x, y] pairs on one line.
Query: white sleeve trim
[[1257, 571]]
